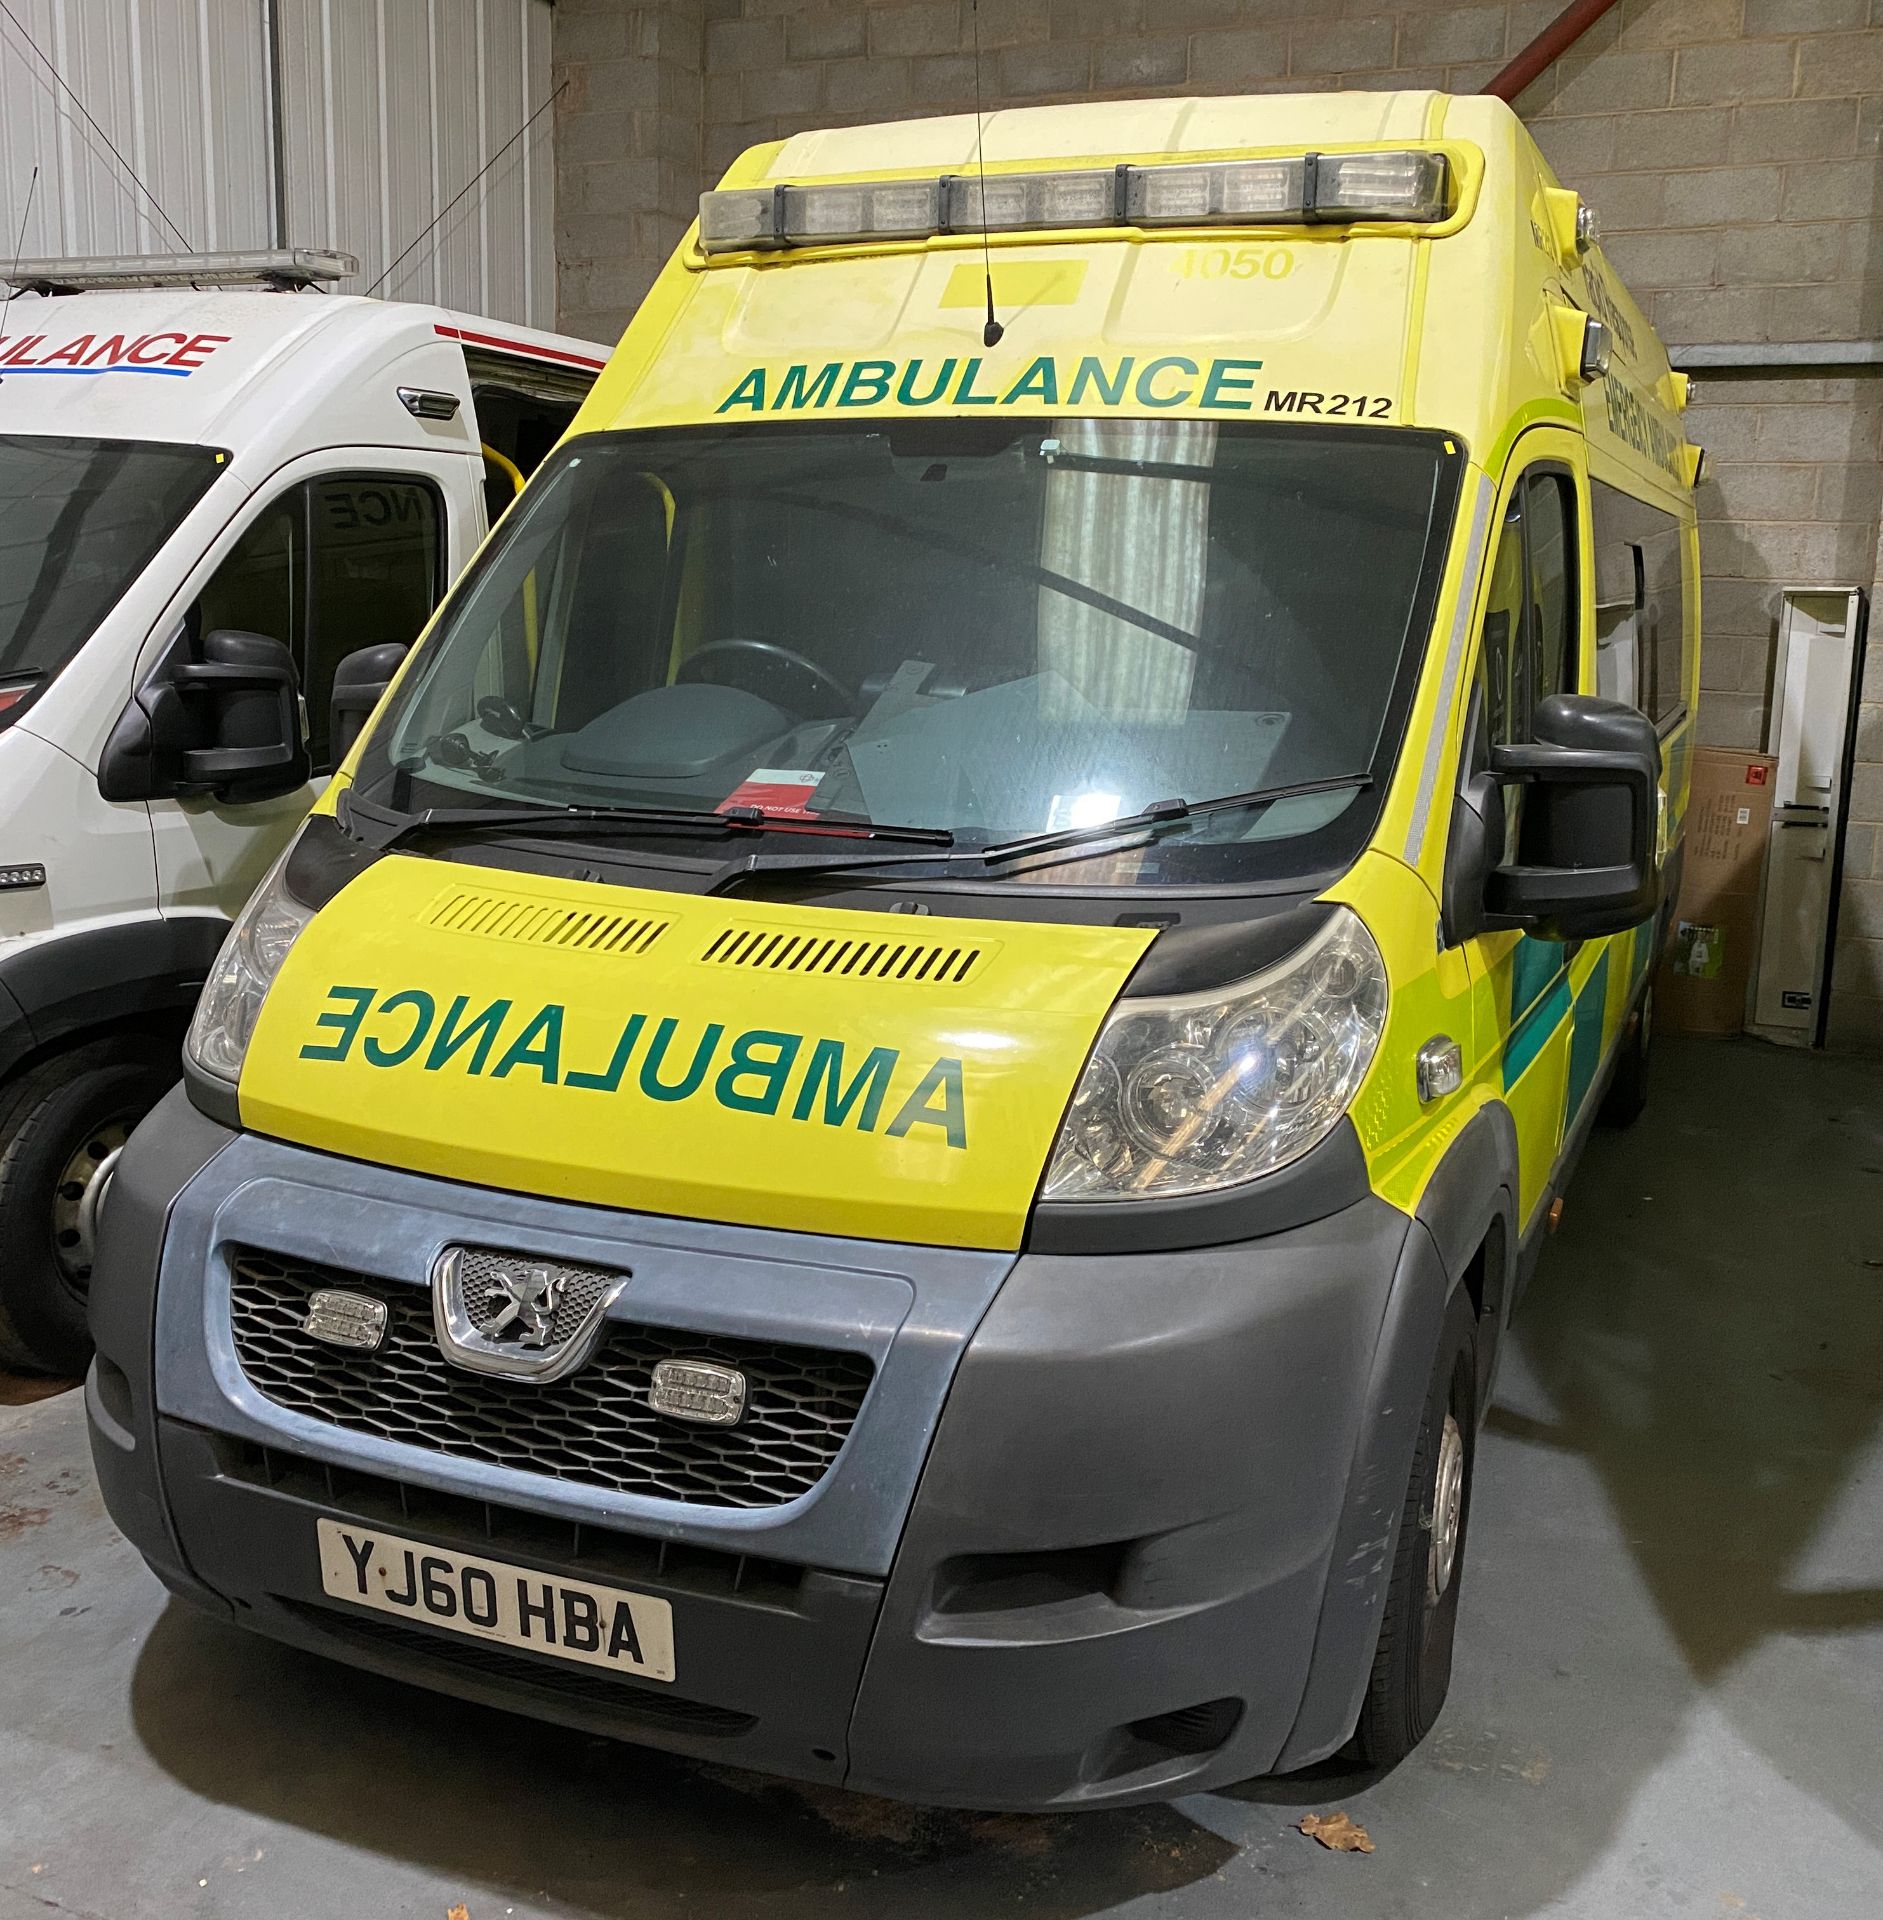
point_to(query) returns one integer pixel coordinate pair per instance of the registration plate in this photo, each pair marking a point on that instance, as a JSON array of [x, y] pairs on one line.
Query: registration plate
[[630, 1633]]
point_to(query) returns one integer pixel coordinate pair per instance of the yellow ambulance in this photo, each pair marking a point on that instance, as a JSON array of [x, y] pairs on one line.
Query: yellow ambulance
[[886, 1125]]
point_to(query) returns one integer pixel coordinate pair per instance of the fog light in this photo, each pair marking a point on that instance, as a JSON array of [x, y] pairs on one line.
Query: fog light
[[701, 1391]]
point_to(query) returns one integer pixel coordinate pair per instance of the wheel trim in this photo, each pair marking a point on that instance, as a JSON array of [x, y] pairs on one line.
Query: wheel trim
[[1448, 1501], [75, 1197]]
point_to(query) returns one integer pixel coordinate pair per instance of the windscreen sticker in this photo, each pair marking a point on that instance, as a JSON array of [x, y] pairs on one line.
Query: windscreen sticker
[[173, 355], [777, 791], [1092, 382]]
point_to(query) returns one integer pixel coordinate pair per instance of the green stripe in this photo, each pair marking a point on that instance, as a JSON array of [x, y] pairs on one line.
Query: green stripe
[[1585, 1048], [1539, 998]]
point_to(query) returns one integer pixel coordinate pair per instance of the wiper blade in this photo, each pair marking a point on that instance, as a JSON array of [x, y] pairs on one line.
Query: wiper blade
[[745, 866], [384, 833], [1134, 830], [1163, 815]]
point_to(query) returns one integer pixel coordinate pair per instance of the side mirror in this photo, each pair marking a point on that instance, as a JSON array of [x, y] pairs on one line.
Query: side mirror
[[359, 684], [228, 723], [1587, 787]]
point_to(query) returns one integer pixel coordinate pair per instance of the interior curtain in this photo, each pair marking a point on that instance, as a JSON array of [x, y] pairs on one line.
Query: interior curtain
[[1140, 540]]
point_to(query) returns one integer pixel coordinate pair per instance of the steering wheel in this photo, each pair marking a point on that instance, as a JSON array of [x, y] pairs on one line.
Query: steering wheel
[[772, 662]]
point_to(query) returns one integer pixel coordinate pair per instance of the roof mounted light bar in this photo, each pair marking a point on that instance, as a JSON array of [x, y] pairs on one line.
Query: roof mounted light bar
[[1296, 190], [255, 267]]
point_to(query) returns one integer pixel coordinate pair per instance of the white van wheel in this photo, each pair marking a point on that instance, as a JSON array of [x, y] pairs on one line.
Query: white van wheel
[[61, 1126], [78, 1196]]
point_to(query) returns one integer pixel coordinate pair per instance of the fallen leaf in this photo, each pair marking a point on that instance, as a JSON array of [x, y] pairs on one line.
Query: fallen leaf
[[459, 1912], [1337, 1833]]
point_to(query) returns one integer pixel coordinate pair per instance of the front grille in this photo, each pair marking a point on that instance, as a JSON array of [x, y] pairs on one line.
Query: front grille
[[589, 1686], [594, 1429], [579, 1547]]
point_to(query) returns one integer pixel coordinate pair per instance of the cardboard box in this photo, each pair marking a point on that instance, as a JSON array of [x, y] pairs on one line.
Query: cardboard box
[[1707, 969]]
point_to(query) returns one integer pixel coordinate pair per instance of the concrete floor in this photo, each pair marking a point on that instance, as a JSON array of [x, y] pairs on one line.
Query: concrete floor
[[1669, 1699]]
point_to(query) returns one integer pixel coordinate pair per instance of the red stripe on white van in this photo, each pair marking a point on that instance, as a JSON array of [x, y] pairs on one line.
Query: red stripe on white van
[[522, 347]]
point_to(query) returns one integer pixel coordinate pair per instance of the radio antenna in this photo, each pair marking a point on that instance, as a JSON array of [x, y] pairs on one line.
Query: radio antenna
[[991, 333], [19, 250], [437, 219]]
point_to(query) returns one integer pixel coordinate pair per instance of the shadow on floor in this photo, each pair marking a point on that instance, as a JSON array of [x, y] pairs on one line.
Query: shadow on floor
[[610, 1830], [1707, 1333], [22, 1389]]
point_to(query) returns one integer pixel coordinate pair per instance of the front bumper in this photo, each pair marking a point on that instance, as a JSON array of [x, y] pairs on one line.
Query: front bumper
[[1105, 1529]]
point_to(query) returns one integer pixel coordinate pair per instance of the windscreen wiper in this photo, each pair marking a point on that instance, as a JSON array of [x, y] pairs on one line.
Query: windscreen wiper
[[1132, 831], [383, 832], [1160, 817]]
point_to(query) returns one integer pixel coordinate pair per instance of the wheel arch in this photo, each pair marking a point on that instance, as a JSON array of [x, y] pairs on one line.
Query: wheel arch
[[133, 976], [1463, 1235]]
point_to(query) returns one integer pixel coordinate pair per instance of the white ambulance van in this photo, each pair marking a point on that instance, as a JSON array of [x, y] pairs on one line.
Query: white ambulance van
[[216, 483]]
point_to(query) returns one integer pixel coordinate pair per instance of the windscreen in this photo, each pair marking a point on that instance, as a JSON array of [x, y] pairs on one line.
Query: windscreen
[[79, 520], [992, 629]]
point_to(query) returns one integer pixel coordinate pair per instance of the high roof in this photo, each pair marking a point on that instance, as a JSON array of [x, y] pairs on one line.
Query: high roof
[[1018, 135]]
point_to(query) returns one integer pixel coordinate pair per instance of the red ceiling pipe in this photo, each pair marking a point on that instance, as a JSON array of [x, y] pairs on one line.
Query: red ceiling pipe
[[1551, 44]]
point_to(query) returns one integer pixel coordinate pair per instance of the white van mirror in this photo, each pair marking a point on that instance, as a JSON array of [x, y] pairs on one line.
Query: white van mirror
[[359, 684], [227, 723]]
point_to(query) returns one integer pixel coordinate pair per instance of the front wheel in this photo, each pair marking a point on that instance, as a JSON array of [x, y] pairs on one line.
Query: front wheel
[[61, 1126], [1412, 1664], [1627, 1092]]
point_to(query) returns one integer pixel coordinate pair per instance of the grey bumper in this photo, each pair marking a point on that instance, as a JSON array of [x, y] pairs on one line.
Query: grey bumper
[[1106, 1528]]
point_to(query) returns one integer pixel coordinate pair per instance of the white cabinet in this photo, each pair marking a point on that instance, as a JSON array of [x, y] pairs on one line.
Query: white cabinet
[[1820, 658]]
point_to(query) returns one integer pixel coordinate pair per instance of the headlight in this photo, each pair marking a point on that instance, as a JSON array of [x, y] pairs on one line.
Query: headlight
[[1186, 1094], [244, 971]]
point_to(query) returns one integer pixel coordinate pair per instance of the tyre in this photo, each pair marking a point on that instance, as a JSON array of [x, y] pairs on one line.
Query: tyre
[[1628, 1091], [1412, 1664], [61, 1125]]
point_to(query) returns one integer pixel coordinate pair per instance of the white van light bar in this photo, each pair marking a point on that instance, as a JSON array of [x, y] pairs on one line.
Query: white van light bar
[[1307, 189], [256, 267]]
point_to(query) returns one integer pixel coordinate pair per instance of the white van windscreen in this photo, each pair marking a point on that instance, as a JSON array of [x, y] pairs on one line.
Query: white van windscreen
[[990, 629], [79, 520]]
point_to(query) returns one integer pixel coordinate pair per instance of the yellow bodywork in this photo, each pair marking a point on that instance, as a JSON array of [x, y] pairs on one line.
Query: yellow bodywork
[[786, 1067], [1469, 327]]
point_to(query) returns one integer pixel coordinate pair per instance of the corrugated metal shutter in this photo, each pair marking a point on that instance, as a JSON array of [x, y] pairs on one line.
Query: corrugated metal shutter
[[179, 87], [390, 107]]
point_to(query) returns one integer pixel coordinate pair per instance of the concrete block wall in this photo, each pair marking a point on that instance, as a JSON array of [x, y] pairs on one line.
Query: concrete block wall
[[1734, 149], [629, 129]]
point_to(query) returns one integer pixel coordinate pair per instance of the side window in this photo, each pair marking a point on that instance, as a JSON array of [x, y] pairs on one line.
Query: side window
[[1499, 661], [262, 586], [377, 572], [1640, 613], [1618, 621], [1549, 508], [337, 563], [1664, 599], [1529, 640]]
